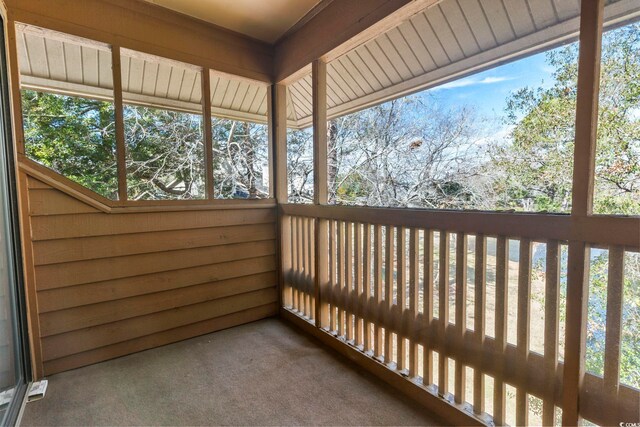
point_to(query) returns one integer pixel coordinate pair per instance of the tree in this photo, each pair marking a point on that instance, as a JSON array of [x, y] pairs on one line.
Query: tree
[[165, 153], [537, 160], [73, 136], [240, 155], [410, 152]]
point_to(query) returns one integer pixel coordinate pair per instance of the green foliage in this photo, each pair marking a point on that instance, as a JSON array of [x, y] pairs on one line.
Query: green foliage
[[73, 136], [597, 317], [538, 160]]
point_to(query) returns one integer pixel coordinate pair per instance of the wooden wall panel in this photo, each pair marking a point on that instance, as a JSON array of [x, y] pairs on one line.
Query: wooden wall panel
[[109, 284]]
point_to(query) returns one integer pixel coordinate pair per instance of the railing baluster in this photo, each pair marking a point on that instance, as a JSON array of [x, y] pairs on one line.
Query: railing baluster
[[614, 321], [461, 310], [332, 275], [388, 293], [311, 241], [358, 279], [524, 302], [304, 300], [502, 280], [348, 302], [377, 290], [443, 311], [295, 276], [427, 310], [287, 267], [551, 329], [401, 295], [341, 276], [480, 292], [321, 249], [366, 279], [414, 298]]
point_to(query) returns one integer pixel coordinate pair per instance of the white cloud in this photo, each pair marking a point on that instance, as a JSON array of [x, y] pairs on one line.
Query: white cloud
[[470, 81]]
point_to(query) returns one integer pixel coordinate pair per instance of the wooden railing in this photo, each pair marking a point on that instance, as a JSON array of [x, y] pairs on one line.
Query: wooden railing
[[446, 299]]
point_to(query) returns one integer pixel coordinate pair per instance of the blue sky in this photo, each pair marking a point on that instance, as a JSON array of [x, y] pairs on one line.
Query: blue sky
[[488, 90]]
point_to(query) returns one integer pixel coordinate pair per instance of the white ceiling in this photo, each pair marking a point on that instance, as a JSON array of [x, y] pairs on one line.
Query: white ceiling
[[265, 20]]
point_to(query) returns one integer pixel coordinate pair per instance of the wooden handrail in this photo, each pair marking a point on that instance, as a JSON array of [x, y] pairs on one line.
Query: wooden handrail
[[600, 230]]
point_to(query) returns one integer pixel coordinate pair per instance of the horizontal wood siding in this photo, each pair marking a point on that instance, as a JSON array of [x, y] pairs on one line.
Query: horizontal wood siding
[[109, 284]]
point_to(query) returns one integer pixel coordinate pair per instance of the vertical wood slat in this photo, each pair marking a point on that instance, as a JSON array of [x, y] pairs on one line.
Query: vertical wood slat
[[551, 329], [414, 296], [500, 346], [208, 133], [332, 274], [358, 285], [479, 322], [348, 301], [285, 260], [388, 291], [302, 253], [524, 303], [377, 290], [461, 315], [295, 270], [613, 335], [366, 283], [401, 294], [322, 273], [119, 123], [427, 299], [443, 311], [341, 277], [311, 275]]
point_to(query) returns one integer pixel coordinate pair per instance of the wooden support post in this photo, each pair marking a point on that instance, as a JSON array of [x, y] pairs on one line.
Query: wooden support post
[[121, 155], [208, 132], [279, 118], [14, 80], [278, 178], [271, 135], [591, 15], [319, 99]]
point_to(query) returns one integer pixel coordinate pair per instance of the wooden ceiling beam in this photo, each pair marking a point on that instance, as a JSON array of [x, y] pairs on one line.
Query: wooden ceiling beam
[[338, 28]]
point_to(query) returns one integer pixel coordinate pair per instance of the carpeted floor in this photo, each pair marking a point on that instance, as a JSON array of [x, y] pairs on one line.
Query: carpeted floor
[[262, 373]]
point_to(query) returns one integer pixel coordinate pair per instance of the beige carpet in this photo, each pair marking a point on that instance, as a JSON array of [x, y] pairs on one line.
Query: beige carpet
[[263, 373]]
